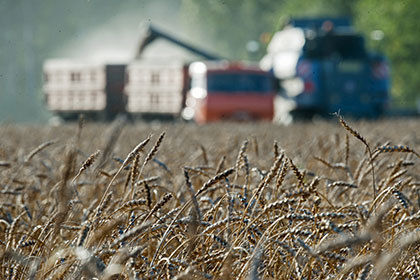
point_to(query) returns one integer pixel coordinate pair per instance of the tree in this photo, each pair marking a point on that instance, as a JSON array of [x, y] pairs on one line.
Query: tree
[[399, 22], [227, 26]]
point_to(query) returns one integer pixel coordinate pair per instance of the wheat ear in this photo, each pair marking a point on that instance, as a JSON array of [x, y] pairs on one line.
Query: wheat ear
[[358, 136]]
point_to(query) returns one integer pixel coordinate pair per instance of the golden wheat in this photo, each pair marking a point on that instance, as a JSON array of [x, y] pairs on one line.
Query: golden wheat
[[202, 206]]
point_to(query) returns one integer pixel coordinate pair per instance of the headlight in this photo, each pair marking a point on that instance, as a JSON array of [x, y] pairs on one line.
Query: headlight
[[198, 93], [187, 113]]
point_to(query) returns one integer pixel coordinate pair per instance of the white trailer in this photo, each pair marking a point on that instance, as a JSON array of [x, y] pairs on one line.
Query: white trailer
[[72, 87], [155, 88]]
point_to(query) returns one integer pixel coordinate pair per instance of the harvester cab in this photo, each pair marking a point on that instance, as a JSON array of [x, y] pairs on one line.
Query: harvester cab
[[324, 67]]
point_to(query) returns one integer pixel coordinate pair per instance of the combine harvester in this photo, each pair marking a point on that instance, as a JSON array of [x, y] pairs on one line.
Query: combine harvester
[[323, 67], [204, 91]]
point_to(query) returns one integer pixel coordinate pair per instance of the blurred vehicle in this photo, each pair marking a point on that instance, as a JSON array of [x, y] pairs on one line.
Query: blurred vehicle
[[159, 89], [155, 89], [72, 87], [324, 67], [229, 91]]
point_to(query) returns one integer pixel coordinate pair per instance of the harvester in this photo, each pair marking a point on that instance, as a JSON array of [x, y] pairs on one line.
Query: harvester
[[324, 67]]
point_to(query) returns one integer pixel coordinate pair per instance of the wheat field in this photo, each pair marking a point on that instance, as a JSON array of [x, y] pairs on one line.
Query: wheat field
[[332, 199]]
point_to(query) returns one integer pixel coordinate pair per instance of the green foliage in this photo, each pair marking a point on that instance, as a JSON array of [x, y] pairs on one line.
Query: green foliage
[[399, 22], [227, 26], [302, 8]]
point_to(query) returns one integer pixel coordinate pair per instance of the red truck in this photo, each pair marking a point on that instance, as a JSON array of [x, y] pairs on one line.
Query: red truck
[[229, 91], [212, 90]]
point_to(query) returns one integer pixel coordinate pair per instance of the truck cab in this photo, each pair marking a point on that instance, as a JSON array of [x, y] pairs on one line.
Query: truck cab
[[229, 91]]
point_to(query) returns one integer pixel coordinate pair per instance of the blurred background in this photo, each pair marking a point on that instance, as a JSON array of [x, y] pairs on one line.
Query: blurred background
[[109, 30]]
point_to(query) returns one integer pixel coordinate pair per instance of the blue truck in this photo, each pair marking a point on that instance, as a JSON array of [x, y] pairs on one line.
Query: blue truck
[[323, 66]]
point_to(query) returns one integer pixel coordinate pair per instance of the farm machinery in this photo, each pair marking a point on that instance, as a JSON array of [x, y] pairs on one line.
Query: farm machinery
[[94, 89], [316, 66], [204, 91], [323, 67]]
